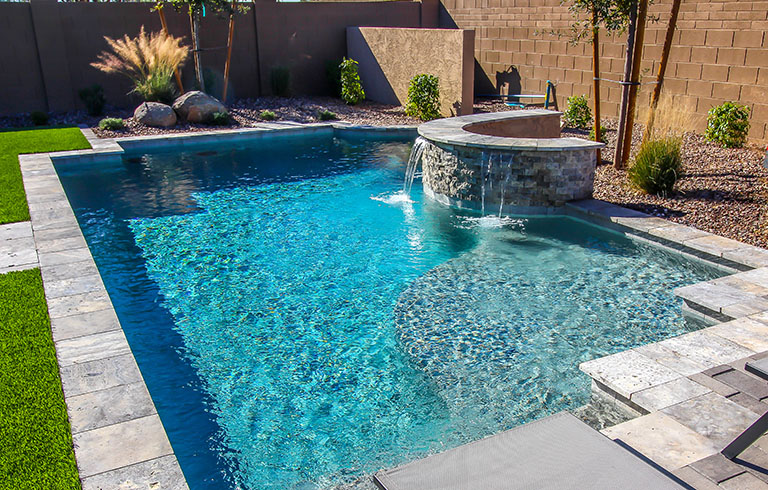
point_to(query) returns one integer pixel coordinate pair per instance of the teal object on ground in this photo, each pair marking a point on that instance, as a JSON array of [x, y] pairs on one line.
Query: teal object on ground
[[301, 324]]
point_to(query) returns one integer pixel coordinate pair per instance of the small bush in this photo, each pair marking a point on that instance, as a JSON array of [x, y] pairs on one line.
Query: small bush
[[603, 129], [351, 86], [157, 89], [268, 115], [577, 114], [333, 73], [111, 123], [93, 98], [39, 118], [657, 166], [326, 115], [424, 97], [728, 124], [220, 119], [280, 79]]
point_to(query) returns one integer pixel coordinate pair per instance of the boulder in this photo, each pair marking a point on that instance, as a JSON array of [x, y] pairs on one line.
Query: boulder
[[197, 107], [155, 114]]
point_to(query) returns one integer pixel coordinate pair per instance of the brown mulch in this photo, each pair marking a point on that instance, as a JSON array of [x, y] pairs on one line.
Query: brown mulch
[[723, 191]]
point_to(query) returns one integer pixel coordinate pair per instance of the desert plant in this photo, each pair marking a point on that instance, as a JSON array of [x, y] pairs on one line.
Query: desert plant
[[577, 114], [93, 98], [280, 80], [333, 74], [657, 166], [268, 115], [603, 129], [671, 118], [423, 97], [148, 60], [728, 124], [220, 119], [39, 118], [326, 115], [351, 85], [111, 123]]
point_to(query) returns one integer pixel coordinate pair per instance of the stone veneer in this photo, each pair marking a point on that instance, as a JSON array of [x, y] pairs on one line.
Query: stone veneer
[[532, 173]]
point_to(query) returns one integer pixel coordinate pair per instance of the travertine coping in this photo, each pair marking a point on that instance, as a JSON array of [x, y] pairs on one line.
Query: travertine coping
[[684, 414], [119, 439], [452, 131]]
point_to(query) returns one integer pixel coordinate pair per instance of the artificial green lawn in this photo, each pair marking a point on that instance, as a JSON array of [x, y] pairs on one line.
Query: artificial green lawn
[[13, 202], [36, 449], [35, 440]]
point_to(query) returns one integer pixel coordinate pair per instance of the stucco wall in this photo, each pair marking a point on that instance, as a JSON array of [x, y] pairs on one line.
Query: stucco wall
[[46, 47], [720, 53], [389, 58]]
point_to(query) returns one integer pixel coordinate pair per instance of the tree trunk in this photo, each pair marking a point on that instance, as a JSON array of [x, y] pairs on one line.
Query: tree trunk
[[596, 76], [617, 162], [194, 19], [662, 68], [637, 61]]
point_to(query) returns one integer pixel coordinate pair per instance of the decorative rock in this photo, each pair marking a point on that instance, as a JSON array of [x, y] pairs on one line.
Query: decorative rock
[[155, 114], [197, 107]]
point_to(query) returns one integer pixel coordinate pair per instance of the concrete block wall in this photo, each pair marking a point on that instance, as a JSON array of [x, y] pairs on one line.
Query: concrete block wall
[[720, 53]]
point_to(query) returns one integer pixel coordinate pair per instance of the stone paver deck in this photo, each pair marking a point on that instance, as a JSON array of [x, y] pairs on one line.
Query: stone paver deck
[[118, 437], [690, 394], [17, 247]]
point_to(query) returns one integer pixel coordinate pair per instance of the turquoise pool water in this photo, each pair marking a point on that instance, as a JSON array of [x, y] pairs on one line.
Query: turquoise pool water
[[301, 325]]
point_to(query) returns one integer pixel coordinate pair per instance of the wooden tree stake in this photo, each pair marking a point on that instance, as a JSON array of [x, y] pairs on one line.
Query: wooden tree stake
[[229, 52], [638, 58], [596, 76], [194, 21], [617, 162], [662, 68], [165, 30]]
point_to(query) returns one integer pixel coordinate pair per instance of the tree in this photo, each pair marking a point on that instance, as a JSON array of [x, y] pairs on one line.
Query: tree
[[591, 15], [196, 8]]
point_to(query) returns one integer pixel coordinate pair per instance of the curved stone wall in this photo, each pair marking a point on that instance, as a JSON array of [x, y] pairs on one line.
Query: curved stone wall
[[519, 175]]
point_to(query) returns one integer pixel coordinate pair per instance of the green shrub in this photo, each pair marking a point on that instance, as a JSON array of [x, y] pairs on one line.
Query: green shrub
[[93, 98], [326, 115], [577, 114], [39, 118], [351, 86], [728, 124], [220, 119], [333, 73], [268, 115], [603, 129], [423, 97], [111, 123], [657, 166], [156, 89], [280, 79]]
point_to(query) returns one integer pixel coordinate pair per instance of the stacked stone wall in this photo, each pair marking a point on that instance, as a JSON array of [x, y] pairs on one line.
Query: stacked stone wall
[[720, 53], [519, 178]]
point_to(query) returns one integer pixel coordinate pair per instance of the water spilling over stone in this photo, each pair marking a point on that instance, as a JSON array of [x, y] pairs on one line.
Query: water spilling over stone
[[413, 161]]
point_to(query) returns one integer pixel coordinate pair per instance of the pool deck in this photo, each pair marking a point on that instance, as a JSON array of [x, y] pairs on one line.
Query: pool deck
[[690, 394]]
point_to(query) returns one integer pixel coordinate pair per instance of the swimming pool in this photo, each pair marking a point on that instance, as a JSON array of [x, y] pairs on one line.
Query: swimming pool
[[299, 324]]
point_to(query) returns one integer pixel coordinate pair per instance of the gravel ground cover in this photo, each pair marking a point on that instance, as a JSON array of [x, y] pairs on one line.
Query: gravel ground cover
[[723, 191]]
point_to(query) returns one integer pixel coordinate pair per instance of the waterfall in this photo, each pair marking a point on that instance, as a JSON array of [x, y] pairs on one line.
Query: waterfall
[[485, 177], [413, 161], [505, 183]]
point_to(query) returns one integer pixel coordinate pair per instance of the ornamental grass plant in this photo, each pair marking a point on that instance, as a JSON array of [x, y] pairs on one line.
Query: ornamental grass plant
[[148, 60]]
